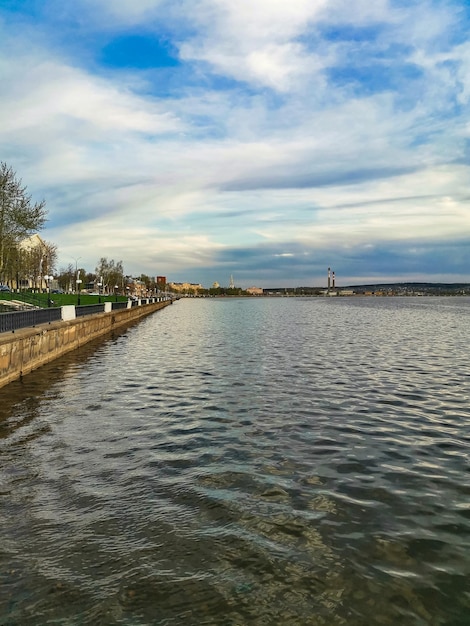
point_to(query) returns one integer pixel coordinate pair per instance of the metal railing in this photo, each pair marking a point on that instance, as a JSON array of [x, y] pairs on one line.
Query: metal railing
[[88, 309], [9, 322], [14, 320]]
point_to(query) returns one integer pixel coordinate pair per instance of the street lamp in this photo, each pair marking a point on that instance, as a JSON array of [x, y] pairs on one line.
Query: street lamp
[[116, 287], [78, 282], [77, 277], [48, 284], [99, 285]]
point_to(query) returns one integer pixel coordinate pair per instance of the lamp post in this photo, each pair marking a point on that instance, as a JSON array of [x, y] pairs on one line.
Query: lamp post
[[77, 277], [116, 287], [48, 279], [79, 282], [99, 285], [40, 275]]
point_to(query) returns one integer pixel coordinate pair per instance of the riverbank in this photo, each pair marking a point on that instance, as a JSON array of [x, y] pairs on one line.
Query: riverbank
[[28, 348]]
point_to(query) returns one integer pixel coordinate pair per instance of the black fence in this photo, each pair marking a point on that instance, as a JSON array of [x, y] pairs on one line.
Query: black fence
[[14, 320], [11, 321], [88, 309]]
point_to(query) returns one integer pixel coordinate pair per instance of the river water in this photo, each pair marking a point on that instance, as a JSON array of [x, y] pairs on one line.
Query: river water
[[279, 461]]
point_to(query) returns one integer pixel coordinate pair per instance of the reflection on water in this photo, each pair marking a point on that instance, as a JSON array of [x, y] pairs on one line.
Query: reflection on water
[[280, 461]]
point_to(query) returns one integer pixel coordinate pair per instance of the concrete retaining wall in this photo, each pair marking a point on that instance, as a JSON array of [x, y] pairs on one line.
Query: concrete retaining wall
[[29, 348]]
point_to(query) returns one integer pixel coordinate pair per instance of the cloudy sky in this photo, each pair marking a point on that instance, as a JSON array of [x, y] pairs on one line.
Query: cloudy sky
[[264, 139]]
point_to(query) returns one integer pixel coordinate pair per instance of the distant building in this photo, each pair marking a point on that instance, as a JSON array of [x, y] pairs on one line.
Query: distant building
[[255, 291], [185, 287], [33, 242], [34, 263], [135, 287]]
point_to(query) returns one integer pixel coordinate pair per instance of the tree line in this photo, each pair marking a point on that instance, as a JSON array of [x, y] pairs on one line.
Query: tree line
[[21, 262], [26, 259]]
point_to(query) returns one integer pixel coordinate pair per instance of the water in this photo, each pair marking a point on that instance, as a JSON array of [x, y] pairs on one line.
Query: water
[[230, 462]]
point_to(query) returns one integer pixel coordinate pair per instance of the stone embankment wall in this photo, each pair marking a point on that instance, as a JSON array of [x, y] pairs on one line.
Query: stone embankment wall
[[29, 348]]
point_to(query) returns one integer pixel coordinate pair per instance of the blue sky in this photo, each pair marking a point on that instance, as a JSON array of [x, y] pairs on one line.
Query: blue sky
[[262, 139]]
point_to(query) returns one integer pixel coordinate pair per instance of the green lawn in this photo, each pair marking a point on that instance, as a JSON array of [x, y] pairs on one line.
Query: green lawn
[[58, 299]]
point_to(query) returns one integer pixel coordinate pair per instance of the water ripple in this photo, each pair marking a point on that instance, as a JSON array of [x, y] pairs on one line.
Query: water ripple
[[278, 461]]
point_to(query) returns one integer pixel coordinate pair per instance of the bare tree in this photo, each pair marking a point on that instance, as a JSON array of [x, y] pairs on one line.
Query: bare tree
[[110, 273], [66, 278], [19, 216]]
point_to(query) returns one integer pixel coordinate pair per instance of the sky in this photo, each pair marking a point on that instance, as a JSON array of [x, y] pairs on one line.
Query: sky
[[261, 139]]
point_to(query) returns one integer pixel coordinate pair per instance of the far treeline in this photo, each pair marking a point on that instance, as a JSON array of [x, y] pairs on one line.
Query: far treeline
[[20, 218], [25, 261]]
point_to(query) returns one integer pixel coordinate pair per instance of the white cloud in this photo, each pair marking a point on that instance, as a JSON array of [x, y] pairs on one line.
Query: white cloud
[[123, 13], [424, 206], [50, 90], [150, 179], [140, 248], [448, 73], [256, 42]]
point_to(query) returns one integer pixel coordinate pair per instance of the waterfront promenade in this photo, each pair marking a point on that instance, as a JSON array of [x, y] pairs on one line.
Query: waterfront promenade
[[59, 330]]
